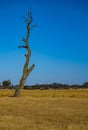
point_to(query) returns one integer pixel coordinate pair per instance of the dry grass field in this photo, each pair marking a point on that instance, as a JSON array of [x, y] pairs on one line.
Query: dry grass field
[[44, 110]]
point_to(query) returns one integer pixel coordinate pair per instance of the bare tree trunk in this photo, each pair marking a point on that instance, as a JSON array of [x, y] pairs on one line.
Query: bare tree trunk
[[26, 69]]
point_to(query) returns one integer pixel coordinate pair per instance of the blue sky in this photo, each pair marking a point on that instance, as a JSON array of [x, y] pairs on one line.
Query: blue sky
[[59, 46]]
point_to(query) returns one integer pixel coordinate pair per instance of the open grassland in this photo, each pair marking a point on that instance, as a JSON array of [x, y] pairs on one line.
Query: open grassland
[[44, 110]]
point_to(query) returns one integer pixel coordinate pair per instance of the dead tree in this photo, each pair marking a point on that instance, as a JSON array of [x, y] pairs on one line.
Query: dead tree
[[26, 69]]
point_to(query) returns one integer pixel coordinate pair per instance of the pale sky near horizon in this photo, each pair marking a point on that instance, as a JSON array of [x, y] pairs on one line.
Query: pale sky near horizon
[[59, 46]]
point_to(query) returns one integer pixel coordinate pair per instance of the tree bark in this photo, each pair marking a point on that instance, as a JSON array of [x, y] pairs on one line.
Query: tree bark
[[26, 69]]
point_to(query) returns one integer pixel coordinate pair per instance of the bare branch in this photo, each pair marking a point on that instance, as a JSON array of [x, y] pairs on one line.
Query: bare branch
[[29, 19], [22, 47], [30, 16], [30, 69], [25, 19], [33, 26], [25, 40]]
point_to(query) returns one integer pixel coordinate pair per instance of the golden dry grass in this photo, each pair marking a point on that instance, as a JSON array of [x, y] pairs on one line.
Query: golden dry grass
[[44, 110], [76, 93]]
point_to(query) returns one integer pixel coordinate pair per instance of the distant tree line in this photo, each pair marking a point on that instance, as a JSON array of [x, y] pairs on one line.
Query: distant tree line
[[6, 84]]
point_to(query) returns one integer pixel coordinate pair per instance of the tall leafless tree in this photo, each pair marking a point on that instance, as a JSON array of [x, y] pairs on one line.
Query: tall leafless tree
[[26, 69]]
